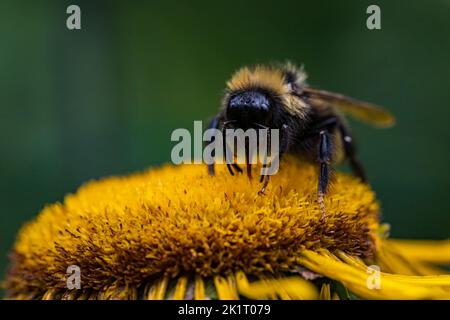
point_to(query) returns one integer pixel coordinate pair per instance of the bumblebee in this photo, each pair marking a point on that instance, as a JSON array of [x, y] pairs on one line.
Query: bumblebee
[[311, 122]]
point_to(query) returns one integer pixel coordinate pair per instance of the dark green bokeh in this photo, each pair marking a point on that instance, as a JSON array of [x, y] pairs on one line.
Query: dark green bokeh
[[79, 105]]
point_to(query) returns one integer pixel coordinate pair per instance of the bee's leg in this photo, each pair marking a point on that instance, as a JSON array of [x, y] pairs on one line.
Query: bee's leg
[[214, 124], [324, 157], [264, 179], [350, 152], [265, 183], [348, 143], [284, 144], [237, 168], [225, 149], [268, 142], [229, 165], [261, 179]]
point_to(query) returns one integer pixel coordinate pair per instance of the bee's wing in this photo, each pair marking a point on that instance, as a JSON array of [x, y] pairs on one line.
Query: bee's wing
[[364, 111]]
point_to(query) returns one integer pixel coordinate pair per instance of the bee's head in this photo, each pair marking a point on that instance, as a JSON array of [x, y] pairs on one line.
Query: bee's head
[[260, 94], [249, 108]]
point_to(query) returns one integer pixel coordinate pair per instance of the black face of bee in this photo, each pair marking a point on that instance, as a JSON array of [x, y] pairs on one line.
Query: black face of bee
[[249, 108]]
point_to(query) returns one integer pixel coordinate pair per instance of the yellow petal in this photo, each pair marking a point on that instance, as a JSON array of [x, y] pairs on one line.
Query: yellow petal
[[325, 293], [356, 278], [199, 293], [158, 289], [437, 252], [284, 288], [180, 289]]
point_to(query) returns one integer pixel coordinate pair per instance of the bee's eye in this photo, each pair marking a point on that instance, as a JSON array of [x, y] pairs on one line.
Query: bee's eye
[[250, 100]]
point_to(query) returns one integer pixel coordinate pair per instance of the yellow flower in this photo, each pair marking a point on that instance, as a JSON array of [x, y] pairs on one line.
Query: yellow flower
[[175, 232]]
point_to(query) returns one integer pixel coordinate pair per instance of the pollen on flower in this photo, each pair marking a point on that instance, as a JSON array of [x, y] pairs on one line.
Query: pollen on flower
[[177, 220]]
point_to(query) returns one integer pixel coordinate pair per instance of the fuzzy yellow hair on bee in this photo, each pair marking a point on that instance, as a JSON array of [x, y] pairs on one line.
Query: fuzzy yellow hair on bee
[[281, 81]]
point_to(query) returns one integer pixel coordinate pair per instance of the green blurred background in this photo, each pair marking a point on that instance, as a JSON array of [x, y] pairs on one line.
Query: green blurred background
[[79, 105]]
